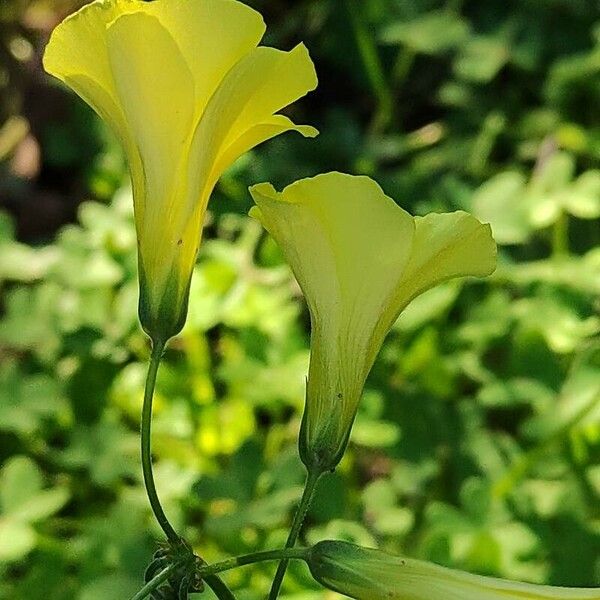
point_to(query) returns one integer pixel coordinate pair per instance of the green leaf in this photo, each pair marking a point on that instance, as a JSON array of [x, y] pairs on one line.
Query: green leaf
[[481, 59], [500, 203], [20, 480], [583, 199], [433, 33], [16, 540], [44, 504]]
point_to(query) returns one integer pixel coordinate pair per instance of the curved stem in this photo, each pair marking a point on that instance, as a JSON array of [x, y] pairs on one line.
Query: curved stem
[[155, 582], [157, 350], [219, 587], [255, 557], [215, 583], [309, 490]]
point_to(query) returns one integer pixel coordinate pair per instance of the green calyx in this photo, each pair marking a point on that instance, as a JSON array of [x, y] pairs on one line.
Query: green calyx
[[163, 313]]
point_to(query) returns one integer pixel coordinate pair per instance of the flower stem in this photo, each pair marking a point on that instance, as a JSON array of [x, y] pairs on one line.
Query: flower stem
[[255, 557], [309, 490], [155, 582], [157, 350], [369, 55], [214, 582], [219, 587], [209, 572]]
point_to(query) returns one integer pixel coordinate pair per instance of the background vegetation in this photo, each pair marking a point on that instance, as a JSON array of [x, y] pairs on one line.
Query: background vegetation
[[478, 439]]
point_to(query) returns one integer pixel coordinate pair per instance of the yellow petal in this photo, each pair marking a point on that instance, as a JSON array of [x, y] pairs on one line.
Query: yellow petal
[[212, 36], [261, 83], [348, 244], [267, 81], [78, 45], [156, 92], [270, 128], [77, 55], [367, 574], [446, 246]]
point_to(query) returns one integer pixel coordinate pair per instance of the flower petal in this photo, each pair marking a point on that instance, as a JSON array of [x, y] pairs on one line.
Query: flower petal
[[156, 91], [270, 128], [78, 45], [260, 84], [212, 35], [346, 241], [77, 55], [446, 246], [267, 81], [348, 245]]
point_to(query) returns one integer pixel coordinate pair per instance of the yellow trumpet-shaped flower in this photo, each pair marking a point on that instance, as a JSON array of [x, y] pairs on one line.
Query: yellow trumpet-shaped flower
[[359, 259], [366, 574], [186, 90]]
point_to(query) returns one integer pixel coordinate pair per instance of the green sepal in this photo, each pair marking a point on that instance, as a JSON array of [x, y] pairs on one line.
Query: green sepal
[[164, 317]]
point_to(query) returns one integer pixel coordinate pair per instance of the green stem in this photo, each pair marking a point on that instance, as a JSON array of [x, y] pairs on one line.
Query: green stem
[[309, 490], [369, 56], [157, 350], [219, 587], [254, 557], [404, 62], [155, 582], [209, 572], [215, 583]]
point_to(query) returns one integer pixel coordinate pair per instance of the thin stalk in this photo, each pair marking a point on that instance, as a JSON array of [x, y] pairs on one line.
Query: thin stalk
[[155, 582], [157, 350], [209, 572], [309, 490], [219, 587], [254, 557], [369, 55], [215, 583]]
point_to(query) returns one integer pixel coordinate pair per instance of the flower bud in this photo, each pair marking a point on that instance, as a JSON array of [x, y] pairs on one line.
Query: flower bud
[[367, 574]]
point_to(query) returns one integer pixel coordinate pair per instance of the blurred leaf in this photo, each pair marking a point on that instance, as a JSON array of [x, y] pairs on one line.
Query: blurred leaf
[[481, 59], [21, 479], [16, 540], [561, 326], [22, 503], [27, 402], [432, 33], [500, 202]]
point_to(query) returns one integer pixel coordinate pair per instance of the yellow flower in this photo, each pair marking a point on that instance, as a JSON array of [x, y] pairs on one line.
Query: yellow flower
[[367, 574], [359, 259], [185, 89]]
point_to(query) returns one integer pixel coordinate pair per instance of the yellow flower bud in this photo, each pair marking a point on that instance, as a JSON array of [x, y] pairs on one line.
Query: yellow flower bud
[[186, 90], [359, 259], [366, 574]]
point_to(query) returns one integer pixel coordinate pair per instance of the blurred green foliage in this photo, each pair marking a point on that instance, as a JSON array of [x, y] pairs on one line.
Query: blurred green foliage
[[478, 439]]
